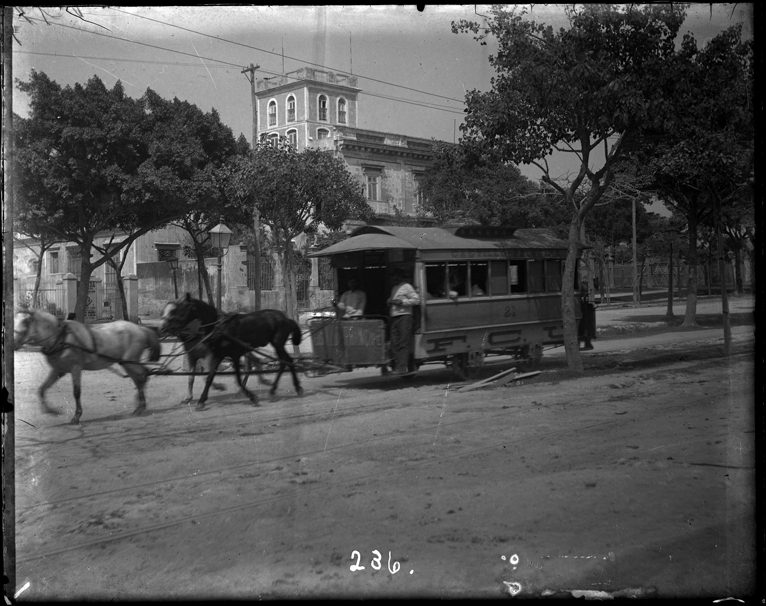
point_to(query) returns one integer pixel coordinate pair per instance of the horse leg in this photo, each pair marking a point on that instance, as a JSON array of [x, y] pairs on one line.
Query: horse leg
[[214, 362], [286, 359], [138, 373], [254, 361], [191, 365], [217, 386], [53, 376], [77, 385], [251, 396]]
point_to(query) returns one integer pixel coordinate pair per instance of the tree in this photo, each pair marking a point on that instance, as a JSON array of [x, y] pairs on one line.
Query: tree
[[700, 160], [295, 193], [107, 162], [585, 90], [208, 191], [480, 188]]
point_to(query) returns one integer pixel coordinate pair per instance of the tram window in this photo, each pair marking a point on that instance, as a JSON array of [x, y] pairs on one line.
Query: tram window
[[436, 280], [478, 279], [536, 276], [458, 278], [553, 275], [498, 277], [518, 276]]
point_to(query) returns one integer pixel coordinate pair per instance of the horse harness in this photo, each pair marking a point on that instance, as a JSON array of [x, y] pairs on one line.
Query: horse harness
[[59, 344]]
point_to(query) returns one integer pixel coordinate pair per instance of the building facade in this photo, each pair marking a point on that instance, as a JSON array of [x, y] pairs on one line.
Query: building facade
[[314, 108]]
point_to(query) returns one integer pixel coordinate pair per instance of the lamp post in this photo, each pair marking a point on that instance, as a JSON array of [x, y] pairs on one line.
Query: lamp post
[[672, 233], [219, 239], [173, 267]]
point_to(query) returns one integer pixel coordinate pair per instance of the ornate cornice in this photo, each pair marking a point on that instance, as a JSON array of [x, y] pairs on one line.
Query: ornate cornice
[[383, 150]]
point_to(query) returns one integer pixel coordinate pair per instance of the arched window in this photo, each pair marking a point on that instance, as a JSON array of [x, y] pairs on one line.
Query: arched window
[[323, 133], [322, 108], [274, 139], [291, 109], [292, 138], [341, 111], [272, 113]]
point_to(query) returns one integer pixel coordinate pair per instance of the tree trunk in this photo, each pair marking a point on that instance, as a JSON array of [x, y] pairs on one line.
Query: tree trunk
[[690, 318], [123, 296], [285, 253], [203, 277], [83, 284], [738, 271], [38, 278], [571, 342]]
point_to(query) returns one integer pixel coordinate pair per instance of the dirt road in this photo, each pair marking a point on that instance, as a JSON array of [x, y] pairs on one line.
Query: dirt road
[[637, 477]]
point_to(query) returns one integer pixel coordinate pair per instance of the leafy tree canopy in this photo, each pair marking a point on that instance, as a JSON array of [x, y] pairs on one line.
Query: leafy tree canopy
[[480, 188], [91, 160], [295, 192]]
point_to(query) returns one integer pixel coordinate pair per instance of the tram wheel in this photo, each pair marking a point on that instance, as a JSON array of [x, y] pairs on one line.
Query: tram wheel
[[531, 358], [461, 368]]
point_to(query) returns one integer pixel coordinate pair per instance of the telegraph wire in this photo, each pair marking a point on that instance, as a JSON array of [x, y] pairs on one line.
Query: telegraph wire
[[186, 29], [224, 64], [63, 56]]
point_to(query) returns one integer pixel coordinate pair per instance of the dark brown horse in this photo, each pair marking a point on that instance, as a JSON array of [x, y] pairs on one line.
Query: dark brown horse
[[234, 336], [198, 354]]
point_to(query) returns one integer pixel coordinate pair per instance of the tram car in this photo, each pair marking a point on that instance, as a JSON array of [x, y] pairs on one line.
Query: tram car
[[483, 290]]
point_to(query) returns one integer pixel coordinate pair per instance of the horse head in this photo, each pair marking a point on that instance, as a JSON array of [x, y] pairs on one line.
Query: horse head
[[21, 325], [33, 326], [178, 315]]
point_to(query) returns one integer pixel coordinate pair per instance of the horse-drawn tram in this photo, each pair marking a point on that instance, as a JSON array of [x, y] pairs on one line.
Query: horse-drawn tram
[[482, 291]]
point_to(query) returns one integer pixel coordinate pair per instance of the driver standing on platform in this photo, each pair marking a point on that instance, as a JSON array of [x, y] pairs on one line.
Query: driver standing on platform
[[352, 302], [403, 298]]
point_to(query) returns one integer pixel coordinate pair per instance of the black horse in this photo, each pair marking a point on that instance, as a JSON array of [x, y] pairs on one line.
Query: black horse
[[234, 336], [198, 355]]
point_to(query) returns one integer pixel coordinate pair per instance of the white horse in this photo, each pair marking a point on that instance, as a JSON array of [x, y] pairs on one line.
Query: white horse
[[71, 347]]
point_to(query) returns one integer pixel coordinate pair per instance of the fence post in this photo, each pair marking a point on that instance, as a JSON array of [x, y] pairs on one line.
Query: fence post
[[131, 296], [95, 299], [70, 294]]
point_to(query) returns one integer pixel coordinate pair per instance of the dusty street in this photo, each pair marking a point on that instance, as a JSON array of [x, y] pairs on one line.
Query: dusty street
[[637, 477]]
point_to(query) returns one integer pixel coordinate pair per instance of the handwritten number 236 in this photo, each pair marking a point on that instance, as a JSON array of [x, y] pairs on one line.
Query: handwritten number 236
[[375, 562]]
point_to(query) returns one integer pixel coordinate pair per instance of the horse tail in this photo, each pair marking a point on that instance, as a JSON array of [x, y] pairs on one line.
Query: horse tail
[[296, 332], [154, 343]]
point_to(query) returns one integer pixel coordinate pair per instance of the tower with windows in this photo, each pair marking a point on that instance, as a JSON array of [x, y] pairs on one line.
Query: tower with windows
[[306, 106], [314, 108]]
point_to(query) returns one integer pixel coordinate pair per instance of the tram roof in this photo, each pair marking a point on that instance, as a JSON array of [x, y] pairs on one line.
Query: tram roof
[[469, 237]]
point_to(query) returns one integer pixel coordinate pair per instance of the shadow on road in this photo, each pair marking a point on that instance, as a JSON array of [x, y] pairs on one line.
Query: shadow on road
[[742, 318]]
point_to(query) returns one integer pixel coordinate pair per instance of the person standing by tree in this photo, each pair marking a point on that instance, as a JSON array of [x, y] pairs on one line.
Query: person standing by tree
[[403, 298]]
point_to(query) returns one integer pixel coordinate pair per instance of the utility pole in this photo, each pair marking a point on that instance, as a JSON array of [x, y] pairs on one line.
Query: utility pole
[[8, 414], [256, 214]]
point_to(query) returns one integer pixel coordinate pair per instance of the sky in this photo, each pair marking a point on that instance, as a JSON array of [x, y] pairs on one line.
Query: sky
[[413, 71]]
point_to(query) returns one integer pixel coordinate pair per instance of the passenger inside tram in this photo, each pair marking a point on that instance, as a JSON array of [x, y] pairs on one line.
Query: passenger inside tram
[[479, 271]]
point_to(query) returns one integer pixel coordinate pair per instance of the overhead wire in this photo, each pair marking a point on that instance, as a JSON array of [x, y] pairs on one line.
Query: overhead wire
[[262, 50], [228, 64]]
